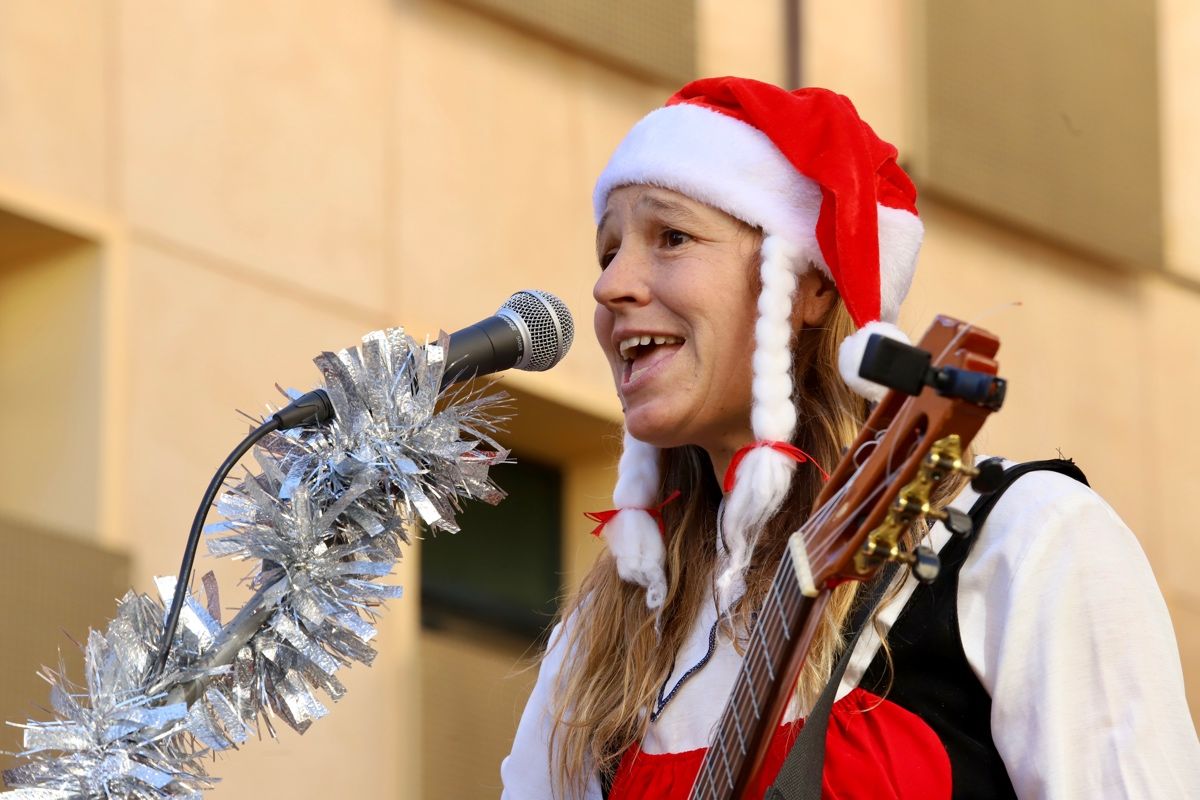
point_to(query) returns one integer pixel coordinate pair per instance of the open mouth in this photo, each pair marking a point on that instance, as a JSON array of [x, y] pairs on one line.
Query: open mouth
[[641, 353]]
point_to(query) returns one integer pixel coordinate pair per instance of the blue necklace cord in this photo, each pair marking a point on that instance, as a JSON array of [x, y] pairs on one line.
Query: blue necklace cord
[[661, 702]]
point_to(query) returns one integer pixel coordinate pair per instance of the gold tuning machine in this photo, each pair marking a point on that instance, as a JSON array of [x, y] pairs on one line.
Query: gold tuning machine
[[912, 503], [985, 477], [946, 456]]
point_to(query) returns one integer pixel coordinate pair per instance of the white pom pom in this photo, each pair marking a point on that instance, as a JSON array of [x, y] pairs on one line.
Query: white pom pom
[[762, 482], [850, 356], [633, 535], [636, 543], [637, 475], [765, 475]]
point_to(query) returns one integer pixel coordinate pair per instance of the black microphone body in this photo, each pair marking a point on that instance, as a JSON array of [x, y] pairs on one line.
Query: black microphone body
[[491, 345], [532, 331]]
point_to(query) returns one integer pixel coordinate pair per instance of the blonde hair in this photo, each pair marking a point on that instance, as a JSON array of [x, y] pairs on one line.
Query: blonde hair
[[618, 652]]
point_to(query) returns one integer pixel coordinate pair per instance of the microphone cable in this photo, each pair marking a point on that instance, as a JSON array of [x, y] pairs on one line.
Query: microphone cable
[[311, 408], [532, 330]]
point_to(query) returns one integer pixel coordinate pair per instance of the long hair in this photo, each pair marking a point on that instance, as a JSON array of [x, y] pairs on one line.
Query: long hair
[[619, 652]]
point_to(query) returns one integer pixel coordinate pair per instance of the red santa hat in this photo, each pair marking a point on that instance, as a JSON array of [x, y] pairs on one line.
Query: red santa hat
[[804, 168]]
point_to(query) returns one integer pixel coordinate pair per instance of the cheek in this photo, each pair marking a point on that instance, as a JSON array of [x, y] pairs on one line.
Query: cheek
[[602, 324], [734, 342]]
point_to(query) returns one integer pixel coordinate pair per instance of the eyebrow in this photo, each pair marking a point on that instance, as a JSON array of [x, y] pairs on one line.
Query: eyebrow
[[600, 229], [677, 211]]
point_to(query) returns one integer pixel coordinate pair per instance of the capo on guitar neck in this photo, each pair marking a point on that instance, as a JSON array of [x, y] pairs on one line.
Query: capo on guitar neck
[[908, 369]]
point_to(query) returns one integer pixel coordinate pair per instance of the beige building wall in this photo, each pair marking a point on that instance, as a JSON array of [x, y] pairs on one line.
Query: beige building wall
[[246, 185], [1103, 362], [254, 184]]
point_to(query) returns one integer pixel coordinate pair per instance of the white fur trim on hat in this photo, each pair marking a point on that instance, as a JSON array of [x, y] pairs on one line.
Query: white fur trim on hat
[[733, 166], [900, 236], [722, 162], [850, 356]]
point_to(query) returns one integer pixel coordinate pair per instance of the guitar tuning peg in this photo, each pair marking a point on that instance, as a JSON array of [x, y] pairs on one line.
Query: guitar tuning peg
[[987, 476], [957, 522], [924, 563]]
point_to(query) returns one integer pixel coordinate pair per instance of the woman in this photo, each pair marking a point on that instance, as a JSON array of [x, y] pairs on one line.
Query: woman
[[749, 240]]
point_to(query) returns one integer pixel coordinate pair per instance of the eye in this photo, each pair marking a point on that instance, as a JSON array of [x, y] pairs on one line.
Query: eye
[[607, 258], [674, 238]]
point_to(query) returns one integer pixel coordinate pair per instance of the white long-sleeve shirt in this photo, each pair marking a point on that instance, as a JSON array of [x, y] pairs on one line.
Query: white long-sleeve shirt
[[1061, 620]]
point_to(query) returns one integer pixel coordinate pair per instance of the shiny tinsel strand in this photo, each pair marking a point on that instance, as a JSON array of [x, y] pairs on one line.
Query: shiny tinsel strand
[[323, 522]]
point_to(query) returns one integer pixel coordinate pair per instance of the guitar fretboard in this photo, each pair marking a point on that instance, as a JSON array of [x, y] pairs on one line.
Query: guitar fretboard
[[782, 618]]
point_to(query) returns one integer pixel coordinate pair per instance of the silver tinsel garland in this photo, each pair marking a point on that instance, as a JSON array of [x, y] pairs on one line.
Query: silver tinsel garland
[[323, 521]]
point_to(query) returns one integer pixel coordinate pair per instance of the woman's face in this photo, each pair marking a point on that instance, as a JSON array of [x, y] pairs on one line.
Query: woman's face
[[675, 315]]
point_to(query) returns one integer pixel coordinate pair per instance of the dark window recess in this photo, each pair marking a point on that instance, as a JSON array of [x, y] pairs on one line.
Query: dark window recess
[[502, 570]]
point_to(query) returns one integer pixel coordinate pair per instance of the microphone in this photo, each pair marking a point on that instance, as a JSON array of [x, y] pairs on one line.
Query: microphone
[[533, 330]]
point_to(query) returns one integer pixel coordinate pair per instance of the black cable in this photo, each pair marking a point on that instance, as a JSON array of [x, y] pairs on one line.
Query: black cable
[[184, 578], [313, 407]]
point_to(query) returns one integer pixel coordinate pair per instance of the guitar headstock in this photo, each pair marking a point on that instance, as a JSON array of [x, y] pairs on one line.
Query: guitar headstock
[[914, 440]]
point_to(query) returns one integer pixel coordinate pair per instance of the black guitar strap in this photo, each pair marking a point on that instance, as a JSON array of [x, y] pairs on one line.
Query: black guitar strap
[[805, 762], [800, 776]]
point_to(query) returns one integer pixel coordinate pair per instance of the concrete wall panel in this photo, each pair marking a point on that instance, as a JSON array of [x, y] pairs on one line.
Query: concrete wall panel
[[501, 139], [51, 373], [744, 39], [257, 132], [1179, 62], [202, 346], [1172, 372], [56, 98], [867, 56]]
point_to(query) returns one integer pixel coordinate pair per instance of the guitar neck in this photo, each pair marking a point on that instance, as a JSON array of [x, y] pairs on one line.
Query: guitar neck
[[881, 488], [779, 636]]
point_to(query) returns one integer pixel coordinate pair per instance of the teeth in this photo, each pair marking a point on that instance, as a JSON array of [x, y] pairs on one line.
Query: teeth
[[626, 346]]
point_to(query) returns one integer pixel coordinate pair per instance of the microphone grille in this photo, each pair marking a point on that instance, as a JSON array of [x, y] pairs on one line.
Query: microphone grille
[[551, 327]]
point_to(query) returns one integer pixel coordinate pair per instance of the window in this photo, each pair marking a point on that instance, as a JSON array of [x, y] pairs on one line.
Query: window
[[502, 569]]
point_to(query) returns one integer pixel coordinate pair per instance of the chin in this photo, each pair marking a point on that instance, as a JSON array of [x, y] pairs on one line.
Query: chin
[[656, 426]]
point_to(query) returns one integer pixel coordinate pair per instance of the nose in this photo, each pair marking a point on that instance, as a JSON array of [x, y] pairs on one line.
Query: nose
[[624, 283]]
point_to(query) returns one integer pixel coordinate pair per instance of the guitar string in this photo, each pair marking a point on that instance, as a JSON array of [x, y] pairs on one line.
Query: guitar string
[[736, 709], [661, 701], [708, 766], [753, 666], [756, 661], [750, 666]]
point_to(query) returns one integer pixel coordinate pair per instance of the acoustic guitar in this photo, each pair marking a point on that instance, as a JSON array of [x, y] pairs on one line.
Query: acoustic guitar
[[941, 392]]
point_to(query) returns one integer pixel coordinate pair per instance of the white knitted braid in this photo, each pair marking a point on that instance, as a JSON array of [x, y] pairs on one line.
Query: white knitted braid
[[633, 535], [764, 475]]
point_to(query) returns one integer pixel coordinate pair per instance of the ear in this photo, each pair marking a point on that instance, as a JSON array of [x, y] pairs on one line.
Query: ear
[[815, 295]]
